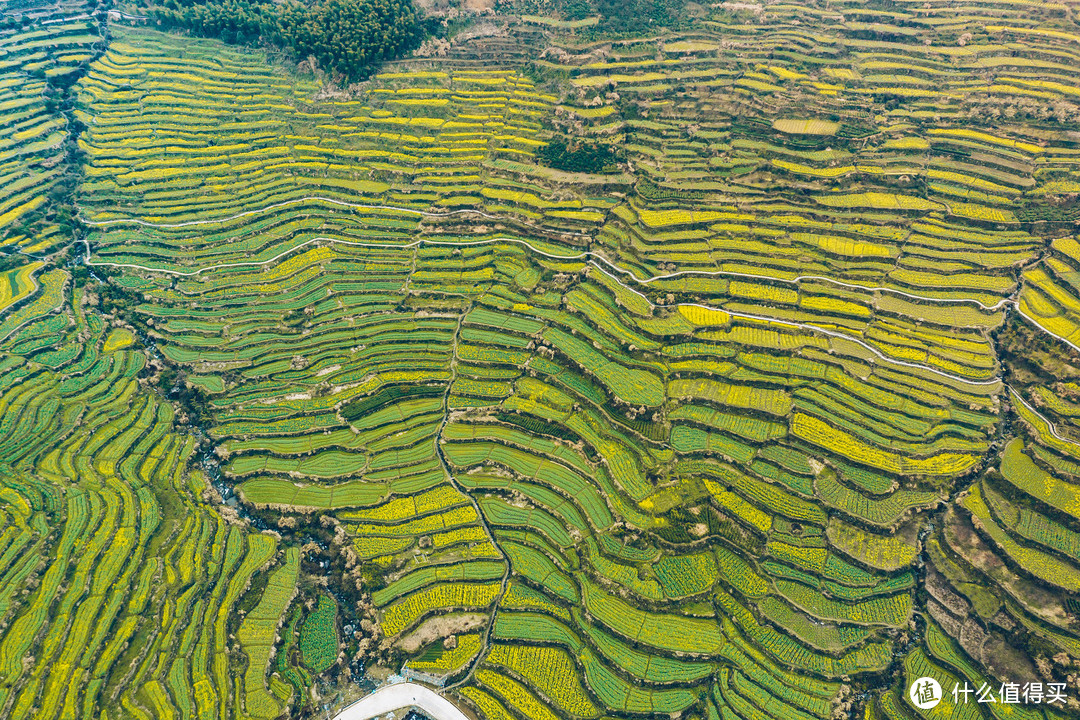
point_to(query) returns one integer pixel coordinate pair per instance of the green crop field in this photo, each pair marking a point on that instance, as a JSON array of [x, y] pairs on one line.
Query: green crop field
[[319, 636], [580, 360]]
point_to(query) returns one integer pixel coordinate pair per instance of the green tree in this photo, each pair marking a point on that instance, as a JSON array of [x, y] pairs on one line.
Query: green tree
[[346, 37], [350, 37]]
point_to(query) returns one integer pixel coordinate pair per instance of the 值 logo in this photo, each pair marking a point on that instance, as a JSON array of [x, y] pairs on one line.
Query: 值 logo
[[925, 693]]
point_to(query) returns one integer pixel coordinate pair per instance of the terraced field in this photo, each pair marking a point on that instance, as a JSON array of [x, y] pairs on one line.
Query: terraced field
[[33, 62], [767, 421]]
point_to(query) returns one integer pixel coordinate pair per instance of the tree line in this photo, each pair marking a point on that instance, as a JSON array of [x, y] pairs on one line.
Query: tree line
[[349, 38]]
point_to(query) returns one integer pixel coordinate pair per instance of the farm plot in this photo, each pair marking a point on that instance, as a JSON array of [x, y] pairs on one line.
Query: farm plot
[[319, 635]]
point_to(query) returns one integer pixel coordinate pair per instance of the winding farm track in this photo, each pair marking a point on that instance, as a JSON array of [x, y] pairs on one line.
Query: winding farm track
[[1049, 425], [596, 260], [402, 696]]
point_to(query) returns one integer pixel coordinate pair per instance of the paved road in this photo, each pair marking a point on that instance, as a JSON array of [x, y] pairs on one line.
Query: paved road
[[400, 696]]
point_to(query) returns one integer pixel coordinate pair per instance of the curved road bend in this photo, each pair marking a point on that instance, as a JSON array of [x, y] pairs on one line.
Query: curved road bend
[[401, 696]]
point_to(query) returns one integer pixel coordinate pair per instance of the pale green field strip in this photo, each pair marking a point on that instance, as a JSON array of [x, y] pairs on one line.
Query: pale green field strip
[[269, 491], [257, 635]]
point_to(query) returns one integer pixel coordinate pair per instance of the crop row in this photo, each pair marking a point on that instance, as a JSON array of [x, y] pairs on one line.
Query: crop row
[[127, 567]]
